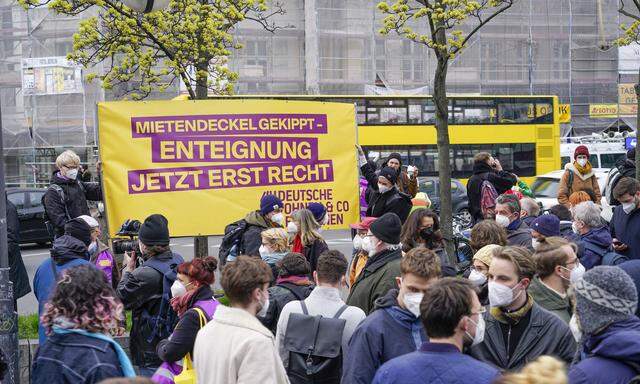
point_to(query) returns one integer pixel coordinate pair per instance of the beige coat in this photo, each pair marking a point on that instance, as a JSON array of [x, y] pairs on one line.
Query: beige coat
[[234, 347], [580, 183]]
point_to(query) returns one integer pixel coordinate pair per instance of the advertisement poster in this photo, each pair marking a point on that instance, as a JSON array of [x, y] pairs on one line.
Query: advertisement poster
[[204, 164]]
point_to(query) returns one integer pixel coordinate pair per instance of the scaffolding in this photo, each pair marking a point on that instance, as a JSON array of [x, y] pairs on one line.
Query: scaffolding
[[559, 47]]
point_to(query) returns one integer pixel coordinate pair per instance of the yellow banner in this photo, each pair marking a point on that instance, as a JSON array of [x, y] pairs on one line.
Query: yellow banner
[[627, 94], [205, 164], [612, 110], [564, 113]]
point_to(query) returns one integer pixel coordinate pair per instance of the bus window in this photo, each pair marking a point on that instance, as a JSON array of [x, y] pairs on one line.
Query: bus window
[[415, 112], [474, 111], [381, 111], [544, 112], [513, 112]]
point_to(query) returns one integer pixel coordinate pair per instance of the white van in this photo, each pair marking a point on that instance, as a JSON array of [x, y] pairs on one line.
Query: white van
[[603, 151]]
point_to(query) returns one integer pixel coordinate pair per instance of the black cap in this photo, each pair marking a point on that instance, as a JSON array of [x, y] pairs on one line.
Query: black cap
[[79, 229], [390, 174], [387, 228], [395, 155], [154, 230]]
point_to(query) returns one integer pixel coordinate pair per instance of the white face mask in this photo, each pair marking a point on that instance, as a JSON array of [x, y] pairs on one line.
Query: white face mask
[[412, 302], [503, 221], [292, 227], [575, 328], [178, 289], [357, 242], [501, 295], [383, 188], [576, 273], [629, 207], [264, 250], [535, 243], [582, 162], [93, 247], [265, 305], [325, 220], [480, 327], [368, 246], [72, 173], [278, 218], [477, 278]]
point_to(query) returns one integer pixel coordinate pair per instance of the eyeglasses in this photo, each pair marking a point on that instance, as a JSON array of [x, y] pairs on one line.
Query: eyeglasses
[[480, 311]]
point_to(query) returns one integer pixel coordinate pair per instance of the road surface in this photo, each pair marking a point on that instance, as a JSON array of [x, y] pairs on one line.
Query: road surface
[[34, 255]]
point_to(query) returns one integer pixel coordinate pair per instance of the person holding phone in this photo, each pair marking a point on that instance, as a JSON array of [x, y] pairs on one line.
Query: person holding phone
[[625, 223], [486, 168]]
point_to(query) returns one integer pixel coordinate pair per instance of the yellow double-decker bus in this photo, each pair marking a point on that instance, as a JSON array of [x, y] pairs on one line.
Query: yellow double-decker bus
[[523, 132]]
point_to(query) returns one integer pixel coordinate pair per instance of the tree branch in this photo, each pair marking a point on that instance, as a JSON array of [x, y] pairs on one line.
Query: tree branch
[[482, 24]]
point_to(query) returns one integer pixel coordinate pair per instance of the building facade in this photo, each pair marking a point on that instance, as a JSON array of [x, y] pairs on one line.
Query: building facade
[[559, 47]]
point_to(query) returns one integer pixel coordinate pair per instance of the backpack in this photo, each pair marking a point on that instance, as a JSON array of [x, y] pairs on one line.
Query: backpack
[[231, 244], [162, 323], [314, 346], [570, 183], [608, 256], [47, 222], [488, 196]]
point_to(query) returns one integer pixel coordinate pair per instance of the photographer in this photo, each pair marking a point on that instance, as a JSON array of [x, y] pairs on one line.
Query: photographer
[[141, 290], [67, 195]]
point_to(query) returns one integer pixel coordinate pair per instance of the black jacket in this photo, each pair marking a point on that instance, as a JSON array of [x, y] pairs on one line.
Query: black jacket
[[390, 201], [279, 296], [17, 272], [74, 358], [252, 236], [142, 290], [76, 194], [183, 337], [501, 180], [313, 252]]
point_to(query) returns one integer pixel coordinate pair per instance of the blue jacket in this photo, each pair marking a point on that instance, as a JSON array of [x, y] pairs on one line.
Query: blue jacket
[[625, 227], [601, 238], [75, 359], [436, 364], [67, 252], [612, 356], [388, 332]]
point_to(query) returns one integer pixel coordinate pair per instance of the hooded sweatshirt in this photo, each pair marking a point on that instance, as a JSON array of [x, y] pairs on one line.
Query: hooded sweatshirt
[[613, 355], [388, 332], [598, 237], [252, 239], [67, 252]]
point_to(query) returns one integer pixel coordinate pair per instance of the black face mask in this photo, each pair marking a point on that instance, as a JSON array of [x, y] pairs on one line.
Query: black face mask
[[426, 233]]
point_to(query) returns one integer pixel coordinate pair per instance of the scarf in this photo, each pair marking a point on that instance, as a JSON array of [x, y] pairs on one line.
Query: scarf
[[512, 317], [297, 247], [583, 170], [298, 280], [180, 304], [125, 363]]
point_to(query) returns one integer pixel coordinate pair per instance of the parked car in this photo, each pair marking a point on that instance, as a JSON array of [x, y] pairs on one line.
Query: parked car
[[459, 200], [28, 201], [545, 189]]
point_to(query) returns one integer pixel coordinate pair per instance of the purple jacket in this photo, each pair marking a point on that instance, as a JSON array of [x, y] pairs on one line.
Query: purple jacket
[[364, 185], [610, 357], [104, 261]]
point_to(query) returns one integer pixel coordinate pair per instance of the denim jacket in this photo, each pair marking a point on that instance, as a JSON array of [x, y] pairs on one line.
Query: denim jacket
[[75, 358]]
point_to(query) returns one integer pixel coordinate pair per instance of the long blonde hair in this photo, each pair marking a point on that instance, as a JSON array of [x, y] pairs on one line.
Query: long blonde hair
[[307, 226], [543, 370]]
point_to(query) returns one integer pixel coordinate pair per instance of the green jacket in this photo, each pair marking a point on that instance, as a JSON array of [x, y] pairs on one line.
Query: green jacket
[[550, 300], [375, 280]]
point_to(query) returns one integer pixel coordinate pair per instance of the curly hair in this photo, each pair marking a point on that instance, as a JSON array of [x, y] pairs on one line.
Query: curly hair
[[579, 197], [487, 232], [410, 236], [201, 270], [293, 264], [84, 297]]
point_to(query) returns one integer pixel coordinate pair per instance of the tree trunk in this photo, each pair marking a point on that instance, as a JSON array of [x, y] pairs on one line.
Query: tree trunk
[[201, 243], [444, 167], [637, 89]]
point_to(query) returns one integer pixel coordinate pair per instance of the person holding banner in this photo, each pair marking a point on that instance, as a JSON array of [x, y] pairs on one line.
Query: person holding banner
[[385, 196], [66, 197]]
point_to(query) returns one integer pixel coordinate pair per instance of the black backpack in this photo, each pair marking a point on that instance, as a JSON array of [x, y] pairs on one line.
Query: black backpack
[[162, 323], [609, 257], [314, 345], [60, 192], [231, 244]]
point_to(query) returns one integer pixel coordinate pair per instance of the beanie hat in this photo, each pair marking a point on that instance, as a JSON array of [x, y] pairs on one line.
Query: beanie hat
[[389, 174], [485, 254], [631, 154], [581, 150], [154, 230], [546, 225], [91, 222], [318, 210], [604, 296], [269, 203], [395, 155], [632, 268], [79, 229], [387, 228]]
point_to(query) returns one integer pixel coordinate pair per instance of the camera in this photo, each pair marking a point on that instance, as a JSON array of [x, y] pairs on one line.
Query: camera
[[130, 229]]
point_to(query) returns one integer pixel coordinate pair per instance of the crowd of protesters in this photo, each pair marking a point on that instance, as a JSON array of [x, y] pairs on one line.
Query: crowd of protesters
[[536, 303]]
